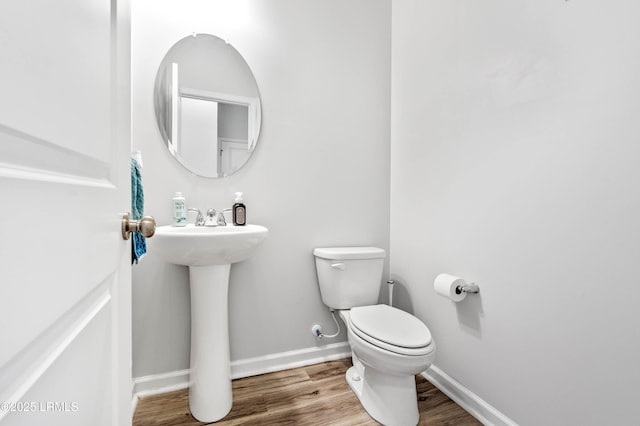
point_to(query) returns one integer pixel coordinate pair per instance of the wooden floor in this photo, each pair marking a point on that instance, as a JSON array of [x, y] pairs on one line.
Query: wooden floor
[[314, 395]]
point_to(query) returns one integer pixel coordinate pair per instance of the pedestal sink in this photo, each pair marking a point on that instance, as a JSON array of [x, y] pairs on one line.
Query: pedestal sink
[[209, 253]]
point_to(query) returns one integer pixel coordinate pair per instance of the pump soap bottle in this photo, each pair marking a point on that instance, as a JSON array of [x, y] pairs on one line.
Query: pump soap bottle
[[179, 210], [239, 211]]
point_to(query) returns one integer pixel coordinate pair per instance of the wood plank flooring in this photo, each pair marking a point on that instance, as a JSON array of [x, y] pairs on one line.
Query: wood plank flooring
[[315, 395]]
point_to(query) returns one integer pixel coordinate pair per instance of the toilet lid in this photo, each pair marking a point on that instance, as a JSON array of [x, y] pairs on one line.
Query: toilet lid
[[391, 325]]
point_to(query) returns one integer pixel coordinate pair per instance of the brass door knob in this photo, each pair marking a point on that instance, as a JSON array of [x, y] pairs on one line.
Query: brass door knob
[[146, 226]]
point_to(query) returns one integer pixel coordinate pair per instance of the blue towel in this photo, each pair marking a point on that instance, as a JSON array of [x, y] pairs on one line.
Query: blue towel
[[139, 245]]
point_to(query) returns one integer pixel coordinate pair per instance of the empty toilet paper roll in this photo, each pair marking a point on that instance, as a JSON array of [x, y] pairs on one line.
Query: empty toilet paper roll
[[446, 285]]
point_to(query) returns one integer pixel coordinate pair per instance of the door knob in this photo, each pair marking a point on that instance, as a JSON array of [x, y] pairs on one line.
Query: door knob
[[146, 226]]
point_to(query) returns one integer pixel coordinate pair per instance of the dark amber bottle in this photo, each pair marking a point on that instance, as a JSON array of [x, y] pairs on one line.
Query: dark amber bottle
[[239, 211]]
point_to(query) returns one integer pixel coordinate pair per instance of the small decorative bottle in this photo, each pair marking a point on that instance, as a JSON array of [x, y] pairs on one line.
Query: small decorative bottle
[[179, 210], [239, 211]]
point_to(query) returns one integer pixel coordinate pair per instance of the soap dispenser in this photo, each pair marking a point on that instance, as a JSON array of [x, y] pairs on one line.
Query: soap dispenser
[[239, 211]]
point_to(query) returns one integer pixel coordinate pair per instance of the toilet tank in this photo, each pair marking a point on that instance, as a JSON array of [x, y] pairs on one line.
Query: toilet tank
[[349, 276]]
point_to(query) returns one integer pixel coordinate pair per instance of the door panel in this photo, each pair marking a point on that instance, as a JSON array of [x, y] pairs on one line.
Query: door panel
[[63, 48], [64, 181]]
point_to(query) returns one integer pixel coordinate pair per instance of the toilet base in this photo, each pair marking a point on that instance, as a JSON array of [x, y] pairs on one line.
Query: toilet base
[[389, 399]]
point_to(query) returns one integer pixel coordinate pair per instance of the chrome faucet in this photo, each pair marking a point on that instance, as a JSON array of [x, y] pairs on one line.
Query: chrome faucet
[[199, 218], [221, 220], [211, 218]]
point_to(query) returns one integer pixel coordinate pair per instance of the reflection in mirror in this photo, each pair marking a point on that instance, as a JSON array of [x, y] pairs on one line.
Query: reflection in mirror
[[207, 106]]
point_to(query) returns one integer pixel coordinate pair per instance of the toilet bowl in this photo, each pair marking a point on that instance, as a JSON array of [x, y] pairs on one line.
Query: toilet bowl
[[389, 346], [383, 373]]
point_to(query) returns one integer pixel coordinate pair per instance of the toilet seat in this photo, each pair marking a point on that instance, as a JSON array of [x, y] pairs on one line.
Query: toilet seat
[[391, 329]]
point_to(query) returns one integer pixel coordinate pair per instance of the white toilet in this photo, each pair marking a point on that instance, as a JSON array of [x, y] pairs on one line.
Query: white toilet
[[389, 346]]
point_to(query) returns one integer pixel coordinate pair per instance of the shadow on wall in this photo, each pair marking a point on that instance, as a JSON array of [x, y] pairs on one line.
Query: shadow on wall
[[469, 312], [401, 297]]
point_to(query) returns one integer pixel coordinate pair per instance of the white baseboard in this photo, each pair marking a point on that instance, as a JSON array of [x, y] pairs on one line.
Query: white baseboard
[[472, 403], [167, 382], [287, 360], [160, 383]]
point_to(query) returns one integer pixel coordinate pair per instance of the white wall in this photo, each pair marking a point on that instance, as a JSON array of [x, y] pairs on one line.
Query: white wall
[[515, 147], [319, 175]]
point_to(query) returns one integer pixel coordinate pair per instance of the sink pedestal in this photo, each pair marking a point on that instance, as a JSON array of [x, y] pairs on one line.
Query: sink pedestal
[[209, 253], [210, 396]]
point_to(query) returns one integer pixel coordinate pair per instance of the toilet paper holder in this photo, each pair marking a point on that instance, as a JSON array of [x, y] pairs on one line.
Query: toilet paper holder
[[468, 288]]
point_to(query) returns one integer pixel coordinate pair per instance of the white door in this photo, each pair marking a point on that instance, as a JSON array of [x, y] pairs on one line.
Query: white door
[[65, 350], [199, 135]]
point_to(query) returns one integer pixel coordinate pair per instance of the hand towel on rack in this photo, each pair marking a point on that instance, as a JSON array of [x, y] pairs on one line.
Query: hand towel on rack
[[139, 244]]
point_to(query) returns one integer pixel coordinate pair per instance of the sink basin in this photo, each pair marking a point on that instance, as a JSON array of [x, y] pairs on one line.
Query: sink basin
[[209, 253], [204, 245]]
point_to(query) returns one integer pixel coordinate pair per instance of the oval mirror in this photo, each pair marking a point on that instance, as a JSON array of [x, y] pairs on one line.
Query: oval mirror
[[207, 106]]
